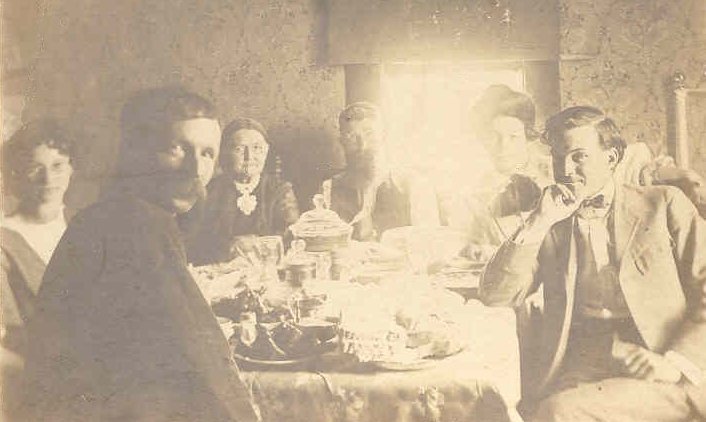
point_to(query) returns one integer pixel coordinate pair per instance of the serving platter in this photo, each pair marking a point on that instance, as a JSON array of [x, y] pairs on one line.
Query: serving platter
[[253, 363], [275, 364], [414, 365]]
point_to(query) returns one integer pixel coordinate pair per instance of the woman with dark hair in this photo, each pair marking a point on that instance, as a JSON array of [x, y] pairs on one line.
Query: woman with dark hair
[[247, 198], [504, 122], [37, 170]]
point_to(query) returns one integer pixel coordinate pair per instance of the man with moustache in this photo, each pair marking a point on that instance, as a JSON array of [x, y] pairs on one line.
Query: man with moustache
[[122, 331], [366, 193], [623, 269]]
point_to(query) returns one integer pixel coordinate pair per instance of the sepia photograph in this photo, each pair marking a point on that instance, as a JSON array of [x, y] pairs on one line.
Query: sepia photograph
[[353, 211]]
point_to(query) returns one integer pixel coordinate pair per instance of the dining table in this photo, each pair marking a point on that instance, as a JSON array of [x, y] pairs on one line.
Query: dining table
[[481, 383]]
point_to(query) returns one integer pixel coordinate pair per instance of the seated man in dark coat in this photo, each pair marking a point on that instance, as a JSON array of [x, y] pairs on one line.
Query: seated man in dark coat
[[623, 272], [367, 194], [122, 332]]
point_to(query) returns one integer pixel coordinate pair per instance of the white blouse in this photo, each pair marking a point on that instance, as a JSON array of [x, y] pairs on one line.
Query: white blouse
[[42, 237]]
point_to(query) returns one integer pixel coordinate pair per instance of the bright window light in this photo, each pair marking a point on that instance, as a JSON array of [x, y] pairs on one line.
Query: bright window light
[[427, 114]]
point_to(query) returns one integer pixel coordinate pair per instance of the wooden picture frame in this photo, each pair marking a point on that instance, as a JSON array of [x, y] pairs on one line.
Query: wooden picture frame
[[689, 125]]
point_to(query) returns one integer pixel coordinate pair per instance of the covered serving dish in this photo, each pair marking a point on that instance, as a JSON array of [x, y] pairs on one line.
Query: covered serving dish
[[321, 229]]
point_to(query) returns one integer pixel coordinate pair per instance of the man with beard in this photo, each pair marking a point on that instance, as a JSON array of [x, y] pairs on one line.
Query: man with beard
[[623, 270], [122, 331], [367, 194]]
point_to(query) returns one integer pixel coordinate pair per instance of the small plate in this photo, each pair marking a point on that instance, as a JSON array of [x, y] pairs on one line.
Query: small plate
[[464, 280], [415, 365], [279, 364], [463, 264]]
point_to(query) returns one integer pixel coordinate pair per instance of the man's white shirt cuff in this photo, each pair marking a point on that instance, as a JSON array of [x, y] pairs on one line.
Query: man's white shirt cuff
[[691, 372]]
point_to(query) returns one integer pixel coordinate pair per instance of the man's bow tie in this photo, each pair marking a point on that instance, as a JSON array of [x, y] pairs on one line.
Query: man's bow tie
[[597, 201], [596, 207]]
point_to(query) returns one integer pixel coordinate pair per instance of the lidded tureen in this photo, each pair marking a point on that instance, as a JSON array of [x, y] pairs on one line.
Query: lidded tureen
[[321, 228]]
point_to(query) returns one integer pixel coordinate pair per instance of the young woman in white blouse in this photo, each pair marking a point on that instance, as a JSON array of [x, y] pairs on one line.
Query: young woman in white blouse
[[37, 169]]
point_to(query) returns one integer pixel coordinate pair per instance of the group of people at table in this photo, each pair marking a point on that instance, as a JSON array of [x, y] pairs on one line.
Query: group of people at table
[[101, 319]]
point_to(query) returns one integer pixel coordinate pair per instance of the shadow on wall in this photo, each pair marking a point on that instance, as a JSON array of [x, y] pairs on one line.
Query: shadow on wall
[[309, 156]]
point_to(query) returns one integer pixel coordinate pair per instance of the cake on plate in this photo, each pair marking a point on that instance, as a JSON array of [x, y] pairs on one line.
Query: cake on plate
[[404, 321]]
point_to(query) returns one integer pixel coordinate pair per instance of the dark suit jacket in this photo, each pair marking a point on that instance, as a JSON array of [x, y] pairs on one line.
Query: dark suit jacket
[[391, 209], [661, 247], [122, 332]]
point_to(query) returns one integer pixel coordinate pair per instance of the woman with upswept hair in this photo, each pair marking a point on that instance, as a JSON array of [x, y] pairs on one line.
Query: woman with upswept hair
[[504, 123]]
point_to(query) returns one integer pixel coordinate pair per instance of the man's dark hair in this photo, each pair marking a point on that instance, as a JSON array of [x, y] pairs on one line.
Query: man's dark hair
[[17, 151], [360, 110], [148, 113], [573, 117], [147, 116], [500, 100]]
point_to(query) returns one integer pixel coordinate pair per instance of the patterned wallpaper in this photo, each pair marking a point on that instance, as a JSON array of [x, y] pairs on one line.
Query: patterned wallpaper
[[620, 54], [258, 58], [267, 59]]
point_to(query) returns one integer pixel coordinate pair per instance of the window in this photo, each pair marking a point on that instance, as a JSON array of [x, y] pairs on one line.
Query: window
[[427, 110]]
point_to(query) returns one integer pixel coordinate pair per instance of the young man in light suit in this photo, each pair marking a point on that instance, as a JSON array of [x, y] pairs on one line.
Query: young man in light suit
[[622, 336]]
